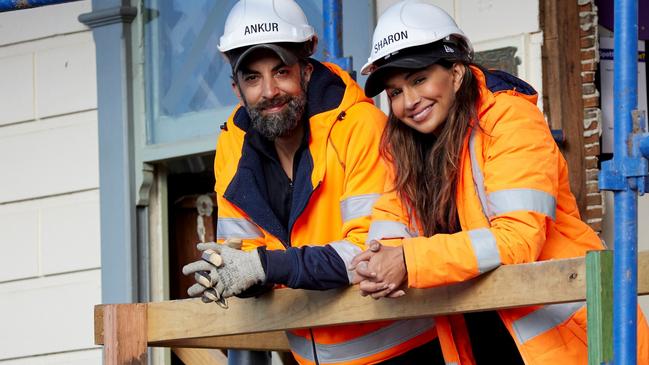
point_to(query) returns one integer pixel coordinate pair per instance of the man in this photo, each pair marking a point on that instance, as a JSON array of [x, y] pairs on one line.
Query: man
[[297, 172]]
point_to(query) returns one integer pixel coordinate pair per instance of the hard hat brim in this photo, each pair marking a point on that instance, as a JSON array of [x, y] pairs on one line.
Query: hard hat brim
[[287, 56], [409, 59]]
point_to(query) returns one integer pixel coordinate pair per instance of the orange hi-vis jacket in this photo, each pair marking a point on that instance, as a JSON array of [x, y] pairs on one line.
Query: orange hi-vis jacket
[[338, 179], [515, 206]]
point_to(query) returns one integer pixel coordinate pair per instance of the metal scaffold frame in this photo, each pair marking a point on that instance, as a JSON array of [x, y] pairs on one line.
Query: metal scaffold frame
[[626, 175]]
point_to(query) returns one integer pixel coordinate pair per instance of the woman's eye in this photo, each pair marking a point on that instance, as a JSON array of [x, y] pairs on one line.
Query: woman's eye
[[419, 80], [394, 92]]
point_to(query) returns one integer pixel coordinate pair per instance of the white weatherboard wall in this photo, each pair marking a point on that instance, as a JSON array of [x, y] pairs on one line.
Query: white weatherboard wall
[[49, 178]]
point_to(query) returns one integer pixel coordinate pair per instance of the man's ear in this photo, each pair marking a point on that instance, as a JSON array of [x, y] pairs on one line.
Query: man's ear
[[307, 71], [237, 91]]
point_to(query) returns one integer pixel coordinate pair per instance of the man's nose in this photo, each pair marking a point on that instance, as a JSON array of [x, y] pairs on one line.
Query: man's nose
[[270, 89]]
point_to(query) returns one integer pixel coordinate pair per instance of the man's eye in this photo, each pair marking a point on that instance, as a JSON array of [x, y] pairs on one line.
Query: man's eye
[[250, 78]]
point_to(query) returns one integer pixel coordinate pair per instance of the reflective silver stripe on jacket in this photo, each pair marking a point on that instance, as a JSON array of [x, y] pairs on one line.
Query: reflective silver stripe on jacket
[[357, 206], [543, 320], [346, 250], [363, 346], [236, 228], [485, 249], [505, 201], [509, 200], [388, 229], [478, 178]]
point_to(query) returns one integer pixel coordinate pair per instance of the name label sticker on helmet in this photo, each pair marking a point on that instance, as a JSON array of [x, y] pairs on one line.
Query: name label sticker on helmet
[[390, 39], [261, 28]]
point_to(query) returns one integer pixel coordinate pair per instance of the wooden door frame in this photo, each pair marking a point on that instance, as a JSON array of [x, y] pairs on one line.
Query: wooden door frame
[[562, 86]]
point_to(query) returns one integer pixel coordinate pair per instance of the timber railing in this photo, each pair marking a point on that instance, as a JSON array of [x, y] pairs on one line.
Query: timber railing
[[127, 330]]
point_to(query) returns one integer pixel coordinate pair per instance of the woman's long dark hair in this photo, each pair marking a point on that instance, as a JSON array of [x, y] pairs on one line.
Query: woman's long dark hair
[[426, 167]]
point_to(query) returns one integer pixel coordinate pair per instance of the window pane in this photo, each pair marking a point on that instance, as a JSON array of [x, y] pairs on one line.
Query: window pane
[[188, 81]]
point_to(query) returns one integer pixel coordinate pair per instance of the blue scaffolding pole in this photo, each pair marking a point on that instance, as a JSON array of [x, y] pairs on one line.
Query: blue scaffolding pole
[[626, 175], [332, 15]]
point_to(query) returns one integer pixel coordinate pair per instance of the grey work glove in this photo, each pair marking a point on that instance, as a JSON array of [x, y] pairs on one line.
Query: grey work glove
[[226, 270]]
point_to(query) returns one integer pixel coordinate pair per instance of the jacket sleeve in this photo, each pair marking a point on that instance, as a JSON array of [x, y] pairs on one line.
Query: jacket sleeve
[[356, 144], [520, 179]]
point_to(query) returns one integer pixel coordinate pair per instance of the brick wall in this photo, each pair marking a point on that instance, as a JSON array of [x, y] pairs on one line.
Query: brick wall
[[592, 111]]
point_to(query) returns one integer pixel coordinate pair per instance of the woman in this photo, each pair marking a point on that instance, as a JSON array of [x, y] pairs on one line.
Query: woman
[[478, 182]]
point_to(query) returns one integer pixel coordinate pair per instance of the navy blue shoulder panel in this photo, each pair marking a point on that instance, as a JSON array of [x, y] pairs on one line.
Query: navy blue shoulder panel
[[497, 80], [241, 119], [325, 90]]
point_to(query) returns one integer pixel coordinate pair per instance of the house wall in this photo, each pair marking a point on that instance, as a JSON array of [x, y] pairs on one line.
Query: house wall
[[49, 200]]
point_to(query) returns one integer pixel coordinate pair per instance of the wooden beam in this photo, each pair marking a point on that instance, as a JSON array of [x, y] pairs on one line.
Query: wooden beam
[[182, 322], [556, 282], [562, 86], [125, 334], [267, 341], [201, 356]]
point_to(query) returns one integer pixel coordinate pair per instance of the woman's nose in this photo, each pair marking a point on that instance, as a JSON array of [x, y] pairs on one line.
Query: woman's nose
[[411, 97]]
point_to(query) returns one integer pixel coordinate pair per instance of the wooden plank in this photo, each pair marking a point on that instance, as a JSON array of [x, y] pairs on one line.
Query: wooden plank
[[200, 356], [125, 334], [509, 286], [599, 271], [269, 341], [548, 282], [99, 323]]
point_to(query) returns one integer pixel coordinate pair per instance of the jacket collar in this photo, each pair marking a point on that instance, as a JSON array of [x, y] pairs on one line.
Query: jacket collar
[[493, 82]]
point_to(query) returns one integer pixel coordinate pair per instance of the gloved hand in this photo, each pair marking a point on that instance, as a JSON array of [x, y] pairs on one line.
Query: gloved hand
[[226, 270]]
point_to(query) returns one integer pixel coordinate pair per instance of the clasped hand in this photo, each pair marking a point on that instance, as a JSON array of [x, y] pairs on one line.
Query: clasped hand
[[380, 271]]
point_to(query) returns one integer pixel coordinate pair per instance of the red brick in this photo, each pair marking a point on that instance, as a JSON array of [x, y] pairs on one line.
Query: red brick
[[587, 42], [594, 200], [596, 226], [588, 55], [588, 66], [591, 102], [587, 77], [591, 139]]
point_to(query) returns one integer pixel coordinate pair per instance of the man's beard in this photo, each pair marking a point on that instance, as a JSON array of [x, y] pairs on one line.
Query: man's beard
[[281, 123]]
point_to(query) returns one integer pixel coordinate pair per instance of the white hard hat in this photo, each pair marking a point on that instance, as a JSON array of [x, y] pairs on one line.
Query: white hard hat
[[252, 22], [412, 23]]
